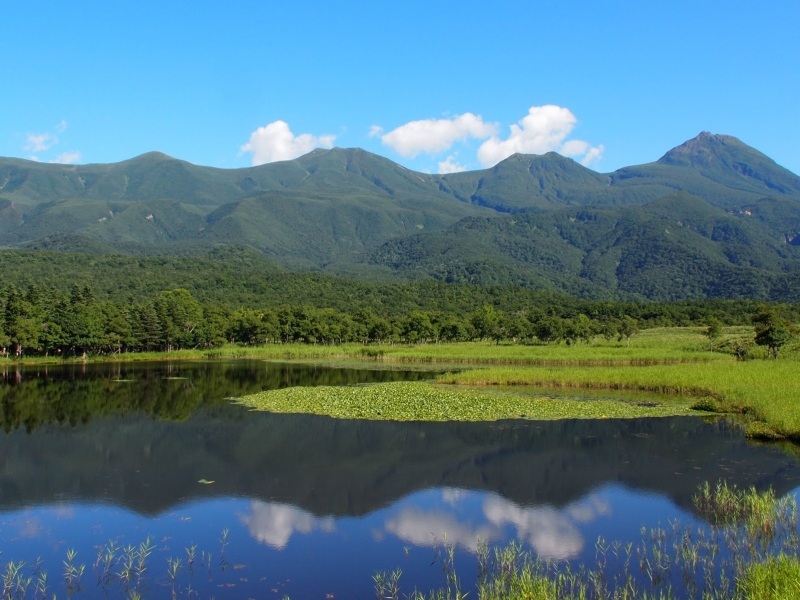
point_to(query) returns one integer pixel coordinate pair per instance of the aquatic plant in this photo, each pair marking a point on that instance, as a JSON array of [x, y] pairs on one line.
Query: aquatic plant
[[422, 401], [72, 572]]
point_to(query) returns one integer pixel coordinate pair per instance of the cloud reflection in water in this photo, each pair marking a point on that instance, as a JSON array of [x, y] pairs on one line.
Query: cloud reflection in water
[[429, 528], [451, 516], [274, 524], [551, 532]]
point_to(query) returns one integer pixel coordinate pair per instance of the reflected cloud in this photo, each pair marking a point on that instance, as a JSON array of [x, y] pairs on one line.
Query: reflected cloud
[[589, 509], [451, 516], [274, 524], [31, 528], [551, 533], [453, 496], [431, 528], [64, 511]]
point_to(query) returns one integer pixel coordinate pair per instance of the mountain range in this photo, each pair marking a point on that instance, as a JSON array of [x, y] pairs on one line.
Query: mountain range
[[713, 217]]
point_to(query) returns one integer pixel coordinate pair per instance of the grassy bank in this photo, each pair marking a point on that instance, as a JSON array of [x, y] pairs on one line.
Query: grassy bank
[[653, 346], [764, 392]]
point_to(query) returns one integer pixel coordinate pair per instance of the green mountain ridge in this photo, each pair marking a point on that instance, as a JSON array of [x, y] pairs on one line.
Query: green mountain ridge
[[711, 218]]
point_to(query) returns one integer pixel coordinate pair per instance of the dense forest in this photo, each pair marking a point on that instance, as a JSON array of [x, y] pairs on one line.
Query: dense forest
[[43, 320]]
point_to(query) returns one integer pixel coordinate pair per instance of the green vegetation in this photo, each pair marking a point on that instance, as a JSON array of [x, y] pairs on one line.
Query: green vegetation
[[80, 321], [673, 248], [778, 578], [117, 571], [420, 401]]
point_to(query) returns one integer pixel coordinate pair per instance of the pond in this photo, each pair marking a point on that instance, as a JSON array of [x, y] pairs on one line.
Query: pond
[[95, 459]]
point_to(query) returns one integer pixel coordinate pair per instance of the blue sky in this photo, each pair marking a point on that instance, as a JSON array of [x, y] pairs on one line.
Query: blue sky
[[436, 86]]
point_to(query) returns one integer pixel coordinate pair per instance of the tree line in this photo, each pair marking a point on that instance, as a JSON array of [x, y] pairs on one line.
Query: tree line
[[37, 320]]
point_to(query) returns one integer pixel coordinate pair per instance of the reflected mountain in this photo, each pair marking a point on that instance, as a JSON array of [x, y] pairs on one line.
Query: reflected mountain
[[338, 467]]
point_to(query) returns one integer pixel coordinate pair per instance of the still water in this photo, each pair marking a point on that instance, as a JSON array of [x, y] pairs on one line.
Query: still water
[[98, 458]]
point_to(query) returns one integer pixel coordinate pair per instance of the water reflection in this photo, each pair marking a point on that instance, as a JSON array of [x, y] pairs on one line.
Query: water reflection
[[38, 395], [340, 499], [336, 467]]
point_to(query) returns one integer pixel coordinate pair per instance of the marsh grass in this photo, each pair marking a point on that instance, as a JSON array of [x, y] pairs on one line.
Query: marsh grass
[[653, 346], [674, 363], [762, 514]]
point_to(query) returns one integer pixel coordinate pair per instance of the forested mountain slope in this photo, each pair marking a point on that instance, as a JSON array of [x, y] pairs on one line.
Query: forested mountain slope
[[711, 218]]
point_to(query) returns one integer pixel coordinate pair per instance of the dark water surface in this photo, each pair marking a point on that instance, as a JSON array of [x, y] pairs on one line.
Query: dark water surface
[[312, 507]]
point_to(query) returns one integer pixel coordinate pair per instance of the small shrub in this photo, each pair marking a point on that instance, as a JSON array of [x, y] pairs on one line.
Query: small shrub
[[707, 404]]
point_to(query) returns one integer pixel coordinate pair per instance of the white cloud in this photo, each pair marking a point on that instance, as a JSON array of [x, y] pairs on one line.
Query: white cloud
[[593, 155], [38, 142], [543, 129], [375, 131], [583, 151], [68, 158], [436, 135], [276, 141], [574, 148], [449, 165]]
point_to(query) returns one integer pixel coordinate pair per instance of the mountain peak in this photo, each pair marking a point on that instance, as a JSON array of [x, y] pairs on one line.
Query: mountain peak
[[148, 158], [704, 150], [726, 159]]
